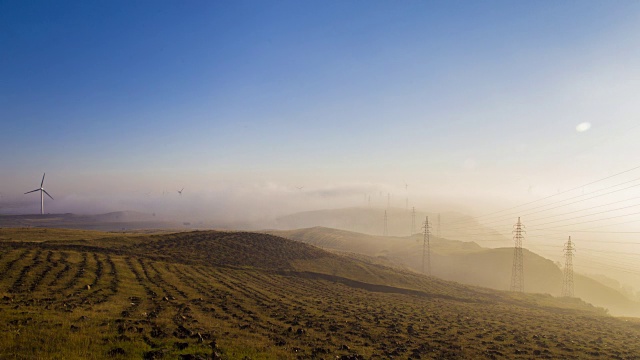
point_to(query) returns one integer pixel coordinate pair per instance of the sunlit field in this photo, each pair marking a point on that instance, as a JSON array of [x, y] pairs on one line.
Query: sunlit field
[[236, 295]]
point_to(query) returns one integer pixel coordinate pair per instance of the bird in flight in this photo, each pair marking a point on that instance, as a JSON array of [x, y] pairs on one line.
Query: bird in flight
[[180, 191]]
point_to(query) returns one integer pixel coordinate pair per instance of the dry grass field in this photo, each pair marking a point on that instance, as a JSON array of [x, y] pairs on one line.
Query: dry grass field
[[224, 295]]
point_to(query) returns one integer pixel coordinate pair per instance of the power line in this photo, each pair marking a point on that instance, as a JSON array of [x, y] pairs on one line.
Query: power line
[[590, 221], [614, 267], [562, 192], [616, 224], [598, 232], [575, 211], [589, 249], [582, 216], [597, 241], [505, 217]]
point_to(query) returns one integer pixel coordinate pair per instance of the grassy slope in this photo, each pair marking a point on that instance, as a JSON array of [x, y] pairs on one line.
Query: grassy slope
[[244, 294]]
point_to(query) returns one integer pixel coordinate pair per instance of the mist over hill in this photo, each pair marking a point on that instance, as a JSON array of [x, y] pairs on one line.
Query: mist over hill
[[370, 220], [467, 263]]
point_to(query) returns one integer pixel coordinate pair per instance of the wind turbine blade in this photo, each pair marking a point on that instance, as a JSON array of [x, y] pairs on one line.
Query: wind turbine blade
[[42, 182], [32, 191], [45, 191]]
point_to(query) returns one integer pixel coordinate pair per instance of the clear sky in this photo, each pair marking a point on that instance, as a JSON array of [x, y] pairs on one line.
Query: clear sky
[[473, 102]]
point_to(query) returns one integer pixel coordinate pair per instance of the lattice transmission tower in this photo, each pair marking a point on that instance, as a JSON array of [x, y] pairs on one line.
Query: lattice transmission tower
[[426, 247], [567, 284], [517, 273], [413, 221], [385, 232]]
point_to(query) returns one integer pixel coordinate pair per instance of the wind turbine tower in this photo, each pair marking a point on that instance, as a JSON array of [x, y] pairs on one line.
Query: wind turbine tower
[[42, 192]]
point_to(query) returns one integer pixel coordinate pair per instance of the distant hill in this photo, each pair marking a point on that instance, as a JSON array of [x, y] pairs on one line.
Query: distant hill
[[120, 216], [467, 263], [113, 221], [371, 221]]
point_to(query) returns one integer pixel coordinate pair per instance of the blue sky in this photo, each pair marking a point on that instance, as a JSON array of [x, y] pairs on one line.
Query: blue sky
[[473, 100]]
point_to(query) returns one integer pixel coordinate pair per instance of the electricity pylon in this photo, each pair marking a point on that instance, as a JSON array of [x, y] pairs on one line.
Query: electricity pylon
[[517, 273], [413, 221], [567, 284], [426, 249], [385, 232]]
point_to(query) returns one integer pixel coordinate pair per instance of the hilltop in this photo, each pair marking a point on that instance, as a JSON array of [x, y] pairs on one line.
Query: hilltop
[[232, 295]]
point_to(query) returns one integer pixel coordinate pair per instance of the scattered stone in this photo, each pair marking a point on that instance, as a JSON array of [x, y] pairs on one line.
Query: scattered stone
[[199, 337]]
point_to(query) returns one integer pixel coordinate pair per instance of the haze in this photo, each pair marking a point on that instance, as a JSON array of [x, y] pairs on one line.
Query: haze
[[263, 109]]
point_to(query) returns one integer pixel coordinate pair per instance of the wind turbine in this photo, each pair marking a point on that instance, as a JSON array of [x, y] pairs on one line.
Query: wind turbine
[[42, 192]]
